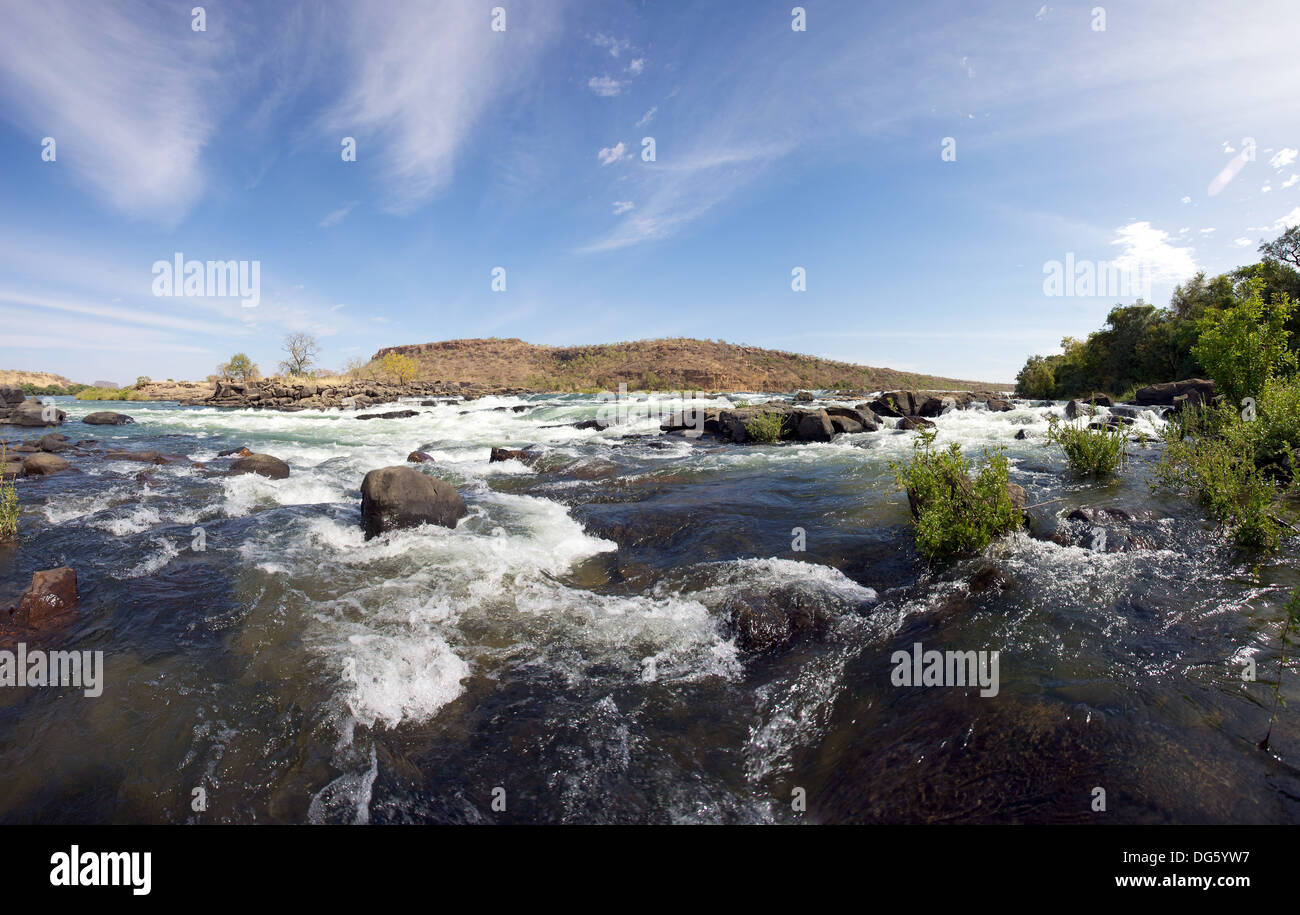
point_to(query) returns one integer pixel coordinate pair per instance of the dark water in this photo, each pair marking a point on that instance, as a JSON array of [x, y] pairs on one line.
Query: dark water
[[568, 644]]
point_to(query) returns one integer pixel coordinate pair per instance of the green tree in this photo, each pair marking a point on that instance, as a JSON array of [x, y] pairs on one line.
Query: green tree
[[240, 368], [1246, 345]]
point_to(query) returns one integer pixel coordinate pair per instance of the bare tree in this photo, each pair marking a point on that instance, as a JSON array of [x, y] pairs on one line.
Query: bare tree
[[303, 350], [1285, 248]]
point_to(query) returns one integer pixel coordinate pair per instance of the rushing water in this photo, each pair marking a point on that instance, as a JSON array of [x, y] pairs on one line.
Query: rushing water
[[568, 641]]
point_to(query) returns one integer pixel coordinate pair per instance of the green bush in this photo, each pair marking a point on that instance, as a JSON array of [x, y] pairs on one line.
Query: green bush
[[765, 428], [109, 394], [1225, 460], [8, 504], [1090, 452], [954, 513]]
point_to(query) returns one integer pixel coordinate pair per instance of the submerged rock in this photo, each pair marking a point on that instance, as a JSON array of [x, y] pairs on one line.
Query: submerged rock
[[505, 454], [392, 414], [401, 497], [419, 457], [763, 624]]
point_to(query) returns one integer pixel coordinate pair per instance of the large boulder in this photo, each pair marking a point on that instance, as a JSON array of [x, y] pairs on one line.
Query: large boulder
[[814, 426], [42, 464], [107, 418], [261, 464], [894, 403], [54, 442], [35, 413], [853, 419], [399, 497], [913, 423], [11, 395]]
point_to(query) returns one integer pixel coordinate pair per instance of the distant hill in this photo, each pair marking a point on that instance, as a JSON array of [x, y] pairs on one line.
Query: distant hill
[[14, 377], [679, 363]]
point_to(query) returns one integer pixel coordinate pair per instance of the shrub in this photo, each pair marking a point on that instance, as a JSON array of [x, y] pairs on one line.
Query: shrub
[[1090, 452], [954, 513], [8, 504], [765, 428], [1214, 454]]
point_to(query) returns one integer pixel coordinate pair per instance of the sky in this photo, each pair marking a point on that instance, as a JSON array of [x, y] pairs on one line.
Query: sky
[[915, 167]]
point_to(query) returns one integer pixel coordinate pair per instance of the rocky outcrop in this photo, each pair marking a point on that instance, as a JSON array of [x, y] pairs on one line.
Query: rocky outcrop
[[1165, 394], [107, 418], [261, 464], [54, 442], [347, 395], [798, 424], [401, 497]]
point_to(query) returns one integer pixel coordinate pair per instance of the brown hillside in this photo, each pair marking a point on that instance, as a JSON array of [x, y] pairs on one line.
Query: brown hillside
[[16, 377], [678, 363]]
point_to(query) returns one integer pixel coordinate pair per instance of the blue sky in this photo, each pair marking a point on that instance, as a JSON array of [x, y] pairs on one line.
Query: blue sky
[[522, 148]]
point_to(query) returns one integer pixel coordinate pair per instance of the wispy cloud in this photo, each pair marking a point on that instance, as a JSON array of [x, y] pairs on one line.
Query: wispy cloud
[[130, 105], [422, 76], [337, 216]]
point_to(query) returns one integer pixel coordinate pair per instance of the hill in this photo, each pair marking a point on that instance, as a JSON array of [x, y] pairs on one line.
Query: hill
[[16, 378], [677, 363]]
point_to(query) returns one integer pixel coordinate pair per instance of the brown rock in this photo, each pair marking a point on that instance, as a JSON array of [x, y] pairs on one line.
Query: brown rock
[[261, 464], [52, 593], [42, 464]]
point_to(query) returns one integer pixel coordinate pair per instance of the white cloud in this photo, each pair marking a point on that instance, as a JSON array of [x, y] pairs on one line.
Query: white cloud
[[1187, 200], [622, 206], [130, 105], [611, 154], [636, 66], [649, 116], [1242, 242], [604, 86], [1288, 221], [1283, 158], [1291, 181], [1207, 231], [1147, 250]]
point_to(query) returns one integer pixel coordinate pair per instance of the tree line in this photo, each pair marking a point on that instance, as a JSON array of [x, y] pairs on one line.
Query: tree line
[[1142, 344]]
